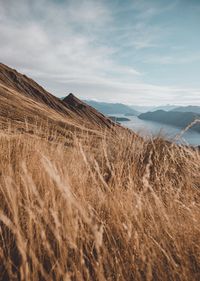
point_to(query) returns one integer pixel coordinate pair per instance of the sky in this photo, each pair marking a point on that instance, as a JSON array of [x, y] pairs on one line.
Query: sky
[[139, 52]]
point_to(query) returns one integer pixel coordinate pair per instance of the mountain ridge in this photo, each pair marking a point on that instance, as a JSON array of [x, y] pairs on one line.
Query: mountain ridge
[[83, 109], [189, 108], [22, 98]]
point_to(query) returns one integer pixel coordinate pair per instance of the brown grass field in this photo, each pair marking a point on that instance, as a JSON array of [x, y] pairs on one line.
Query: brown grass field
[[116, 208], [83, 200]]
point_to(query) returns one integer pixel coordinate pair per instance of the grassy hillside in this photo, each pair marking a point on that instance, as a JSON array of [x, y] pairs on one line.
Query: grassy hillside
[[23, 100], [82, 199], [119, 208]]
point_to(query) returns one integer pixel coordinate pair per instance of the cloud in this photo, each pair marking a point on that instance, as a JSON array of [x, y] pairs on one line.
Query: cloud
[[184, 58], [64, 47], [80, 46], [113, 90]]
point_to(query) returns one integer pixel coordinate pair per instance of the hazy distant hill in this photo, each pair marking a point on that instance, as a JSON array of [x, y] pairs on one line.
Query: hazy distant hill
[[190, 108], [143, 109], [119, 119], [166, 107], [178, 119], [112, 108]]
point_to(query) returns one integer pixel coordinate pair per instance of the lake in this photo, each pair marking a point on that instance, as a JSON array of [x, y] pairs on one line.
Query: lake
[[149, 128]]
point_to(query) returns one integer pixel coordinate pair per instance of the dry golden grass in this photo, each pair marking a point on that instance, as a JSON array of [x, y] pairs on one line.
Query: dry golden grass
[[116, 208]]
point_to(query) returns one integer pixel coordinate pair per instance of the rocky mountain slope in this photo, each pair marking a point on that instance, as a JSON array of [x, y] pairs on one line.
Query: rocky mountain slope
[[86, 112], [22, 99]]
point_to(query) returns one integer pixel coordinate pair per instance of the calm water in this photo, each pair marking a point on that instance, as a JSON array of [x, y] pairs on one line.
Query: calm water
[[150, 128]]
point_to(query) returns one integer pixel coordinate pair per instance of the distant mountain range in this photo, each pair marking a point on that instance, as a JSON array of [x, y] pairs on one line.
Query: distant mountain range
[[143, 109], [128, 110], [175, 118], [180, 116], [190, 108], [112, 108], [108, 108]]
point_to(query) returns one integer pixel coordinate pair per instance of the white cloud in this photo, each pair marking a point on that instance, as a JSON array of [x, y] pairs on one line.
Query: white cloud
[[59, 48], [182, 58], [66, 46]]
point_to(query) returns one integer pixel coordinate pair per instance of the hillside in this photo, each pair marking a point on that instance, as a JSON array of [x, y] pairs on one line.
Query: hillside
[[83, 199], [112, 108], [86, 112], [22, 99], [178, 119], [22, 84]]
